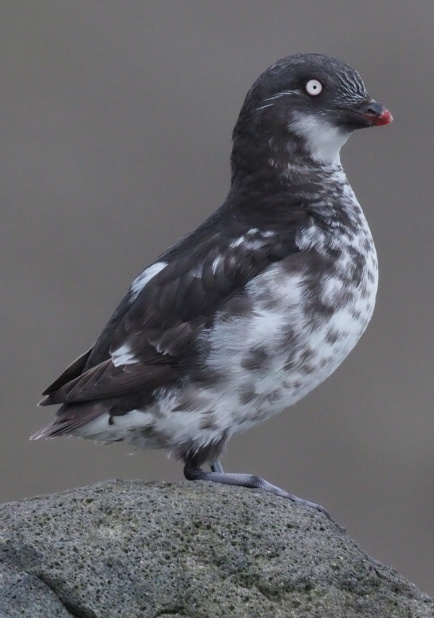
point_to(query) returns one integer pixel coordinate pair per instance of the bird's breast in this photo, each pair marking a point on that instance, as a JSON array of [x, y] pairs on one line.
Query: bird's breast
[[306, 313]]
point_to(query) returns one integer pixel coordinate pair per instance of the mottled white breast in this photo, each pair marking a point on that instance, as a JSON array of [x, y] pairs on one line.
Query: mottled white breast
[[302, 325], [305, 314]]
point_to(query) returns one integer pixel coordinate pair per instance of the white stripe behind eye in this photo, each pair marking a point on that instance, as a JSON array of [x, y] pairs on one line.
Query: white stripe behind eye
[[273, 98], [140, 282]]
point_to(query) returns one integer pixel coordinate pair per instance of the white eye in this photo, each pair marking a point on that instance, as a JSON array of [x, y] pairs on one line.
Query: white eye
[[313, 87]]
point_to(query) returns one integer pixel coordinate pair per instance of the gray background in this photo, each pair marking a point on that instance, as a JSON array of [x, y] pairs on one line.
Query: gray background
[[115, 130]]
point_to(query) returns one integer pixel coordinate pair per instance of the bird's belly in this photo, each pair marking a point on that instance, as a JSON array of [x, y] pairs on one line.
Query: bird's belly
[[296, 332], [296, 335]]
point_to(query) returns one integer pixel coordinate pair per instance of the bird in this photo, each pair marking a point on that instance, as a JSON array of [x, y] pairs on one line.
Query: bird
[[251, 311]]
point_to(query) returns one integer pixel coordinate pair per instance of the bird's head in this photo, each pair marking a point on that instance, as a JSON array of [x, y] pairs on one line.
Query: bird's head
[[307, 105]]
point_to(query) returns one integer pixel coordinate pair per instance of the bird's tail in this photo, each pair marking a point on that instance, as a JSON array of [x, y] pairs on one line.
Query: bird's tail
[[71, 417]]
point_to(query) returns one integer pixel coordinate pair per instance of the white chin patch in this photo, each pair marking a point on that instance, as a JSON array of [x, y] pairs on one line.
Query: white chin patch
[[323, 140]]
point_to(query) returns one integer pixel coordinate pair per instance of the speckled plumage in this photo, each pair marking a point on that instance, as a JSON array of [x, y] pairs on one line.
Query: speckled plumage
[[260, 304]]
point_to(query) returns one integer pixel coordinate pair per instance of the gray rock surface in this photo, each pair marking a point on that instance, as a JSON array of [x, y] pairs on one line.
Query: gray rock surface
[[134, 549]]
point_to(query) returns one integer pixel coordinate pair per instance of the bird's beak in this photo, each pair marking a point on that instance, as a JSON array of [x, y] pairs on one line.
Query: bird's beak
[[374, 113]]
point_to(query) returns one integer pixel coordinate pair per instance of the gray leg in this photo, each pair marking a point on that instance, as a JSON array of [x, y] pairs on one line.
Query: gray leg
[[193, 473], [217, 466]]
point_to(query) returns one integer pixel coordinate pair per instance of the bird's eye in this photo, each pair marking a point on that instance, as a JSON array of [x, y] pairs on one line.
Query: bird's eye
[[313, 87]]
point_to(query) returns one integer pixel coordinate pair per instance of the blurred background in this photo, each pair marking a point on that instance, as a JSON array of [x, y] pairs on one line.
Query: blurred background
[[116, 120]]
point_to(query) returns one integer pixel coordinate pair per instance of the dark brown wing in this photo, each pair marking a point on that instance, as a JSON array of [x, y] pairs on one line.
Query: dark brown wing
[[72, 371], [152, 337]]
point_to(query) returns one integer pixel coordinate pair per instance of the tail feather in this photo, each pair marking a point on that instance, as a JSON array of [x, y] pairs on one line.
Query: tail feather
[[71, 417]]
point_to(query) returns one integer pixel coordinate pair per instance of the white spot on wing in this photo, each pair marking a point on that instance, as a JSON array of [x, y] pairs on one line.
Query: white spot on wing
[[237, 242], [123, 356], [216, 263], [253, 245], [197, 271], [140, 282]]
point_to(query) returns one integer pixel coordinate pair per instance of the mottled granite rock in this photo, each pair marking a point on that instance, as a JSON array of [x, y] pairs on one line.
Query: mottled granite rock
[[134, 549]]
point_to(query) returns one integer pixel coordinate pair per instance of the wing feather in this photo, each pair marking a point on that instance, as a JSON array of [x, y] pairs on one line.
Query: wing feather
[[159, 326]]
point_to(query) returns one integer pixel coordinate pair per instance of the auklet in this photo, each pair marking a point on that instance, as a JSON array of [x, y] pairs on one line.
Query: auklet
[[261, 303]]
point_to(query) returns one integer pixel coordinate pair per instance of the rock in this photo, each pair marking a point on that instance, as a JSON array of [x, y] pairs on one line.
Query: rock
[[198, 550]]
